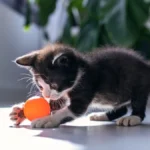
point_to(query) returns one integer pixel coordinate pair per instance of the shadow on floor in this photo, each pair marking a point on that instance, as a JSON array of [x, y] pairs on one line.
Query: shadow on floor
[[99, 136]]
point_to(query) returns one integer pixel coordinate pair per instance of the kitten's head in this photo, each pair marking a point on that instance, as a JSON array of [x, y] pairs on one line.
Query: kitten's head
[[54, 69]]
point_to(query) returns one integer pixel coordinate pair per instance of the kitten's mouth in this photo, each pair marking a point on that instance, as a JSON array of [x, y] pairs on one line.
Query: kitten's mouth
[[53, 97]]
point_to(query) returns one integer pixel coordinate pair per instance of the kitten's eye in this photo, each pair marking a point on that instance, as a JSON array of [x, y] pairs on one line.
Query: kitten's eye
[[41, 88], [63, 60]]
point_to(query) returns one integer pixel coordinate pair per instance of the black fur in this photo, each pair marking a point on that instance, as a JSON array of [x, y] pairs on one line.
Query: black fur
[[116, 113], [108, 76]]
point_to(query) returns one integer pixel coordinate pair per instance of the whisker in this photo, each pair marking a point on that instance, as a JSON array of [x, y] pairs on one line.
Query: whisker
[[34, 93], [26, 74], [34, 89], [31, 82], [23, 78], [31, 88], [30, 93]]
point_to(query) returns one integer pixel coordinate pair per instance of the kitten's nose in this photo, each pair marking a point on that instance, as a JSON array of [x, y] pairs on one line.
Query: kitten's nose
[[54, 86]]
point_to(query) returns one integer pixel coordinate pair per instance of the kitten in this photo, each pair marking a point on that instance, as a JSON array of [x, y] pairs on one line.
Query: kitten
[[109, 77]]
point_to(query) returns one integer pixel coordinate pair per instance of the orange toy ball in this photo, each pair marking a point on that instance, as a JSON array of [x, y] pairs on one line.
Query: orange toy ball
[[36, 107]]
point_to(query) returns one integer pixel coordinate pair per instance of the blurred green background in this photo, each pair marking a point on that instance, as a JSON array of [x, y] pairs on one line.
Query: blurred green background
[[94, 23]]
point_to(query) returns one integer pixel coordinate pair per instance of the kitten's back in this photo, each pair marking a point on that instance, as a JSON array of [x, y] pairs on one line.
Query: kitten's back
[[115, 52]]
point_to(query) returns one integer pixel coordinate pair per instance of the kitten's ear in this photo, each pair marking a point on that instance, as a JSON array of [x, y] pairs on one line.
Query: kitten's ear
[[61, 60], [26, 60]]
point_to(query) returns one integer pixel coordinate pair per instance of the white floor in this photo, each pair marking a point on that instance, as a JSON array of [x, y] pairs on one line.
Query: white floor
[[80, 134]]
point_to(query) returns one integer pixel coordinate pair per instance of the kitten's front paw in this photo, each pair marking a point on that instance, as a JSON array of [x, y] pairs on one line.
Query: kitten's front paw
[[46, 122], [129, 121], [17, 115]]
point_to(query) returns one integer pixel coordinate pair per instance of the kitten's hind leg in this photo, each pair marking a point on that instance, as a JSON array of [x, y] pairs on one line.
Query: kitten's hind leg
[[110, 115], [138, 104]]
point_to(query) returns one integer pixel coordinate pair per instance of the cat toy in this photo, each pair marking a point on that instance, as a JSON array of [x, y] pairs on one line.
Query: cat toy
[[36, 107]]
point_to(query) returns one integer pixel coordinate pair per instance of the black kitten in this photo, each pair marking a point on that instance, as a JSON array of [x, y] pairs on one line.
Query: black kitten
[[109, 77]]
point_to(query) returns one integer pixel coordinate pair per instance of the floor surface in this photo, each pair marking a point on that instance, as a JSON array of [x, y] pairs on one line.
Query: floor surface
[[80, 134]]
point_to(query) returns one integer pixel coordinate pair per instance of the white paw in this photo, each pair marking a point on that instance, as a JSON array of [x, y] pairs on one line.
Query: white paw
[[45, 122], [52, 120], [102, 117], [16, 115], [129, 121]]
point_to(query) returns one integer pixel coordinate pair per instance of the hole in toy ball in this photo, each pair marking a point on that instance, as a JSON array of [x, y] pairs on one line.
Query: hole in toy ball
[[36, 107]]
